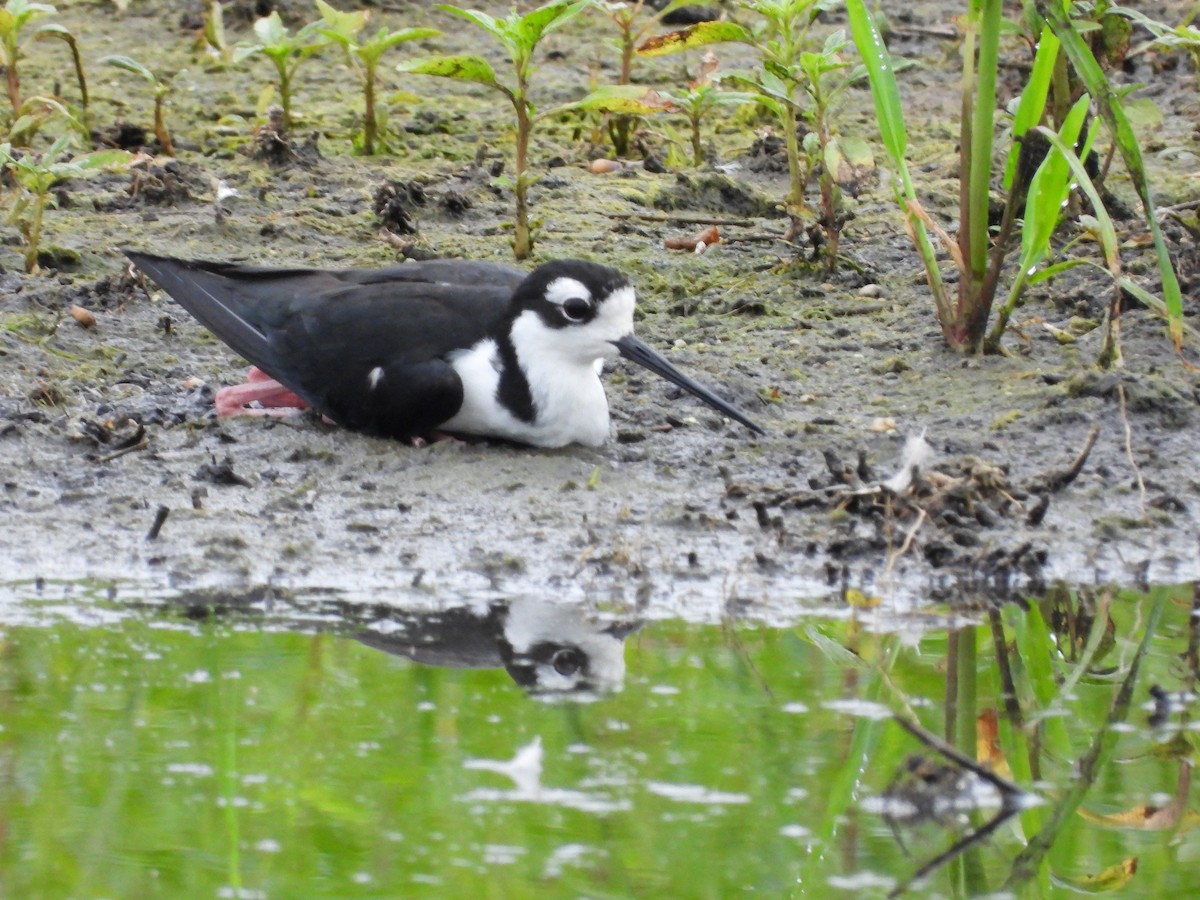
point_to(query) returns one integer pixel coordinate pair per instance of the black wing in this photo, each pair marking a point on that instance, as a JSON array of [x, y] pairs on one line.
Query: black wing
[[365, 347]]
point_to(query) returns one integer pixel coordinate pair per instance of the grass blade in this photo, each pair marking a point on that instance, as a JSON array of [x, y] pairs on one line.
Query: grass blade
[[1113, 113]]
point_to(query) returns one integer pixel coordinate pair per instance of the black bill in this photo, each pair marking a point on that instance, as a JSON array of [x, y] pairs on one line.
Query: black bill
[[633, 349]]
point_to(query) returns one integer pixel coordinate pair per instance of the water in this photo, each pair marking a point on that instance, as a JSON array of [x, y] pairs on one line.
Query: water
[[198, 747]]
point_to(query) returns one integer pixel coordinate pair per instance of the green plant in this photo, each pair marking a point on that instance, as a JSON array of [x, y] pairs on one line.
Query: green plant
[[700, 98], [161, 90], [519, 35], [633, 21], [286, 51], [787, 67], [1112, 111], [38, 111], [978, 258], [341, 28], [779, 38], [17, 30], [1185, 36], [213, 35], [35, 175], [839, 160]]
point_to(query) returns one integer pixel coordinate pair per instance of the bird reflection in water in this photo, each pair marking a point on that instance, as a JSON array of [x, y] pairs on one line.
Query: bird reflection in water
[[552, 650]]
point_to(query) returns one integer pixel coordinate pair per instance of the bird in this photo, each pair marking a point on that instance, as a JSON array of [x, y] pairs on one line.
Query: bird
[[549, 649], [421, 350]]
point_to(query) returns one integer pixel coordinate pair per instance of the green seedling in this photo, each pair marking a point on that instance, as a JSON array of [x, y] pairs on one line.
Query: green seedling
[[286, 51], [161, 90], [34, 177], [633, 21], [519, 35], [36, 112], [1185, 36], [781, 38], [839, 160], [364, 56], [213, 35], [701, 98], [17, 31]]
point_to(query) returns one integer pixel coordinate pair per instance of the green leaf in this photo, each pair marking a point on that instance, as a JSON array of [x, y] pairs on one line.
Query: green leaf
[[104, 159], [270, 30], [848, 160], [384, 42], [241, 51], [341, 26], [493, 26], [1033, 99], [53, 29], [1048, 191], [889, 112], [130, 65], [1058, 268], [463, 68], [623, 99], [1143, 112], [1103, 229], [698, 35], [537, 23]]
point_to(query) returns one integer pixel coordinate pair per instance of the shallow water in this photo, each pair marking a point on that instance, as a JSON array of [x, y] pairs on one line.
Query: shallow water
[[283, 747]]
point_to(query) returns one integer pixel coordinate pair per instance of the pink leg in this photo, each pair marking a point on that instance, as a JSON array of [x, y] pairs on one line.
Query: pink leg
[[273, 398], [437, 437]]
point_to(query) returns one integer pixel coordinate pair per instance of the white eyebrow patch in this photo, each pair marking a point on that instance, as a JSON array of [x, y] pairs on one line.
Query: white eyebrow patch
[[560, 290], [374, 377]]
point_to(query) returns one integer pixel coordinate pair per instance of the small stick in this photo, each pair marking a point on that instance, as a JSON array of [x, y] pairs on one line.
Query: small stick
[[1179, 207], [1007, 789], [160, 518], [908, 539], [1056, 481], [684, 219], [1137, 473], [140, 445]]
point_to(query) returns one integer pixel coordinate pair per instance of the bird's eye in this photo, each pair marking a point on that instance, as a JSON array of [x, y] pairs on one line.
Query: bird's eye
[[567, 661], [576, 309]]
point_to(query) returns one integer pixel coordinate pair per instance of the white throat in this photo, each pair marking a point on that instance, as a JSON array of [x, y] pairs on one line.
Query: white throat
[[562, 367]]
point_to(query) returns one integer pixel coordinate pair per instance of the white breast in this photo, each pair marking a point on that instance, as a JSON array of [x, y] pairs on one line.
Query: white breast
[[568, 400]]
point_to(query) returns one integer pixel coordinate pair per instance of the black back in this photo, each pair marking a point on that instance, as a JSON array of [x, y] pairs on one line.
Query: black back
[[322, 333]]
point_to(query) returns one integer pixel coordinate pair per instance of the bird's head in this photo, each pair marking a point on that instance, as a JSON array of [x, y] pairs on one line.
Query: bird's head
[[580, 312], [573, 311]]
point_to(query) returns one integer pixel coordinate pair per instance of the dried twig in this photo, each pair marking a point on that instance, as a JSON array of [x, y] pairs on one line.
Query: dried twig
[[116, 454], [1137, 473], [683, 219], [160, 518], [1056, 481], [908, 539]]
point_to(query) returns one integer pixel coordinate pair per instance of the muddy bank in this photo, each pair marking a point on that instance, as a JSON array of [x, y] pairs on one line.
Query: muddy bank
[[102, 427]]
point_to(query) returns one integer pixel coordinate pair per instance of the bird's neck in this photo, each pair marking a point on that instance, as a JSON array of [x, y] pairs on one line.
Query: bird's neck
[[559, 390]]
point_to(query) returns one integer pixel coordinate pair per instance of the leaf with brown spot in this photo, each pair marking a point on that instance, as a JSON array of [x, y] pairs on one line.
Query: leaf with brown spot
[[698, 35], [622, 99]]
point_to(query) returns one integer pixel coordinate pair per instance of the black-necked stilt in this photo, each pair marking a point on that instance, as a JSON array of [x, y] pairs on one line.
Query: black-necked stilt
[[549, 649], [468, 348]]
